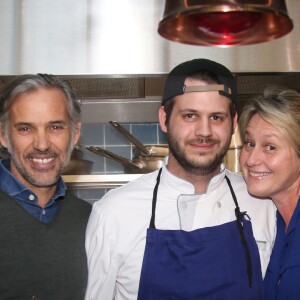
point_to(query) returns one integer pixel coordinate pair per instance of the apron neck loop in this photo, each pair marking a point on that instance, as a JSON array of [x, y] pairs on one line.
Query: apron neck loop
[[154, 200], [239, 218]]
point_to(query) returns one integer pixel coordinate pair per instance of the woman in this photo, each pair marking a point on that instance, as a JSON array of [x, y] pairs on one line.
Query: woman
[[270, 162]]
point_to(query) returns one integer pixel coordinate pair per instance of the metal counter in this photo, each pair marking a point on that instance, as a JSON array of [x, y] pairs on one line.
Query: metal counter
[[98, 181]]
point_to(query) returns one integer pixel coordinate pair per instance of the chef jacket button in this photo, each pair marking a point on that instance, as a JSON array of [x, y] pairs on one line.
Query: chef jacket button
[[31, 197], [219, 204]]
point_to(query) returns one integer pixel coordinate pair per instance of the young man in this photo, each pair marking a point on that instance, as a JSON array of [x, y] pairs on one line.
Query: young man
[[182, 232], [42, 224]]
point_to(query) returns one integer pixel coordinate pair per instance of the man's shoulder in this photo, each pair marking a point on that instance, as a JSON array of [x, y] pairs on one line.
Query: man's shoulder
[[240, 188], [237, 180], [129, 195], [233, 176], [143, 183], [77, 202]]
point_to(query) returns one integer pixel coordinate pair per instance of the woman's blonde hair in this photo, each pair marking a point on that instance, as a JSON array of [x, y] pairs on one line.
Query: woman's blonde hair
[[278, 106]]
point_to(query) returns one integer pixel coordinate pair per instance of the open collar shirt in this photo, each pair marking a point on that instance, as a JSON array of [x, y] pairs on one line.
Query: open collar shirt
[[26, 198]]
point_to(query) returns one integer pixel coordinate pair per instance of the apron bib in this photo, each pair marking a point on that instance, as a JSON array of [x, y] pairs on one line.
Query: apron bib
[[219, 262]]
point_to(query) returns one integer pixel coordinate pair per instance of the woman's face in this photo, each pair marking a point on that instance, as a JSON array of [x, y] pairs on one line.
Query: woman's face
[[270, 165]]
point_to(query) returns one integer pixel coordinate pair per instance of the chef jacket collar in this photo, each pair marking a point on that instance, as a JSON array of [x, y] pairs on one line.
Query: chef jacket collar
[[183, 186]]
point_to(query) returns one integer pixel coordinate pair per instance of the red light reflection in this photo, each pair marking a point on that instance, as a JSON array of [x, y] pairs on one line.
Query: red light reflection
[[227, 25]]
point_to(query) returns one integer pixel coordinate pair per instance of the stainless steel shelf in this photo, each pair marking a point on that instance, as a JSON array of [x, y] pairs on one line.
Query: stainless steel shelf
[[99, 181]]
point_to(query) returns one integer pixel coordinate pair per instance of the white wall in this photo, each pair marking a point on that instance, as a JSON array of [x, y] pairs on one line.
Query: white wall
[[93, 37]]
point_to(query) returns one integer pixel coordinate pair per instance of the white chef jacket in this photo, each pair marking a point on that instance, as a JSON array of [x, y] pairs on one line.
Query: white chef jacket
[[116, 231]]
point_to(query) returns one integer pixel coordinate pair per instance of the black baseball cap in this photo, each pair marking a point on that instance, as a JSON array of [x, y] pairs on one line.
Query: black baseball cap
[[174, 84]]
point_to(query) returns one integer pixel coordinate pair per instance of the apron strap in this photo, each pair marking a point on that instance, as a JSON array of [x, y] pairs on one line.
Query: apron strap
[[240, 217], [154, 200]]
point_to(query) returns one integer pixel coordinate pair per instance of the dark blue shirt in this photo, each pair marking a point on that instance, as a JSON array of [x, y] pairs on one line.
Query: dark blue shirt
[[282, 280], [26, 198]]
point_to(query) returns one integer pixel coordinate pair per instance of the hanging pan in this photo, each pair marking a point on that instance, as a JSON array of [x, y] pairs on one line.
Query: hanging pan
[[139, 164], [141, 149]]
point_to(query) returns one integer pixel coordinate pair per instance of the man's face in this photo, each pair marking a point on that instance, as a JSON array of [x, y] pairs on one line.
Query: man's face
[[199, 131], [39, 137]]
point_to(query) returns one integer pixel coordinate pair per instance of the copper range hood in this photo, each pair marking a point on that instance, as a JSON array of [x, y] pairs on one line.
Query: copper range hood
[[224, 22]]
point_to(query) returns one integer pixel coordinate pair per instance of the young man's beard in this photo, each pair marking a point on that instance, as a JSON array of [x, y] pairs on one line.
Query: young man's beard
[[191, 165]]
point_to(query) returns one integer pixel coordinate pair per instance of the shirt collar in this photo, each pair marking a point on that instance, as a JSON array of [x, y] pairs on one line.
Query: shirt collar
[[294, 220], [184, 186], [13, 187]]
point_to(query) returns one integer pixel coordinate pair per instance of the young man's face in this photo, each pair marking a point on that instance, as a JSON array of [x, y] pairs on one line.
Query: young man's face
[[39, 137], [199, 130]]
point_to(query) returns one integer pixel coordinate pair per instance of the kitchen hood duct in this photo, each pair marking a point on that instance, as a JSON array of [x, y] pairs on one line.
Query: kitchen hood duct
[[224, 22]]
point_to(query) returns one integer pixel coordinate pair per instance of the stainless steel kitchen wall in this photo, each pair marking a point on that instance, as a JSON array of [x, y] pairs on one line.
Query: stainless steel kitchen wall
[[118, 37]]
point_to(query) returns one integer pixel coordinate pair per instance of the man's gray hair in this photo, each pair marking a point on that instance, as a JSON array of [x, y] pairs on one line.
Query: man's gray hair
[[30, 83]]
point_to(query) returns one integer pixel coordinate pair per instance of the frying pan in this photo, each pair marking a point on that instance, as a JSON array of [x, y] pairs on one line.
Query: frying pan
[[77, 165], [141, 149], [140, 164]]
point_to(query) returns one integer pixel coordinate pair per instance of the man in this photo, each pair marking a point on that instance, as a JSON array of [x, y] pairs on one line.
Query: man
[[182, 232], [42, 224]]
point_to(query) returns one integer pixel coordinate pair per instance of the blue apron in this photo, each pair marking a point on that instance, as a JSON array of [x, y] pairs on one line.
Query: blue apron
[[219, 262]]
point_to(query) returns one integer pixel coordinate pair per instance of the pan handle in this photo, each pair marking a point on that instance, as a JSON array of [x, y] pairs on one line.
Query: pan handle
[[118, 158], [130, 137]]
